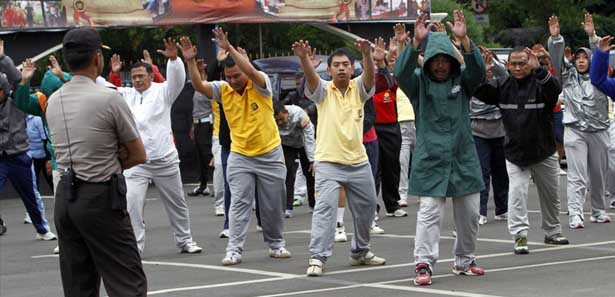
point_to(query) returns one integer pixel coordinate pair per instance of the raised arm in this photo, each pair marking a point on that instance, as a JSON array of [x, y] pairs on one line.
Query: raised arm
[[600, 67], [116, 67], [176, 72], [474, 71], [589, 28], [25, 101], [189, 53], [407, 62], [243, 62], [368, 63], [303, 50], [556, 46]]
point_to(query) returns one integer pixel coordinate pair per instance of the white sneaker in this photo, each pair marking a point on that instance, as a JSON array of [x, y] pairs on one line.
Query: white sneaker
[[26, 219], [502, 217], [375, 229], [191, 248], [279, 253], [455, 233], [231, 258], [482, 220], [220, 211], [46, 237], [224, 234], [602, 218], [576, 222], [56, 250], [259, 228], [315, 267], [288, 213], [562, 172], [369, 259], [340, 233], [403, 203], [398, 213], [206, 192]]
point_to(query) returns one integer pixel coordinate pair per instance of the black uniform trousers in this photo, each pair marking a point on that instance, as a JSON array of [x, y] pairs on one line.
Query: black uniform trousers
[[202, 141], [389, 140], [96, 241], [290, 155]]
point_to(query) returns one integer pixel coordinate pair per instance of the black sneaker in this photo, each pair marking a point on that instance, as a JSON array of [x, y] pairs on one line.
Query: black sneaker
[[197, 191], [2, 227], [557, 239]]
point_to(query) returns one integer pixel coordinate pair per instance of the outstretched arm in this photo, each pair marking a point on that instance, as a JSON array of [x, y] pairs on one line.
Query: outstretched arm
[[176, 72], [242, 61], [303, 50], [599, 67], [189, 53]]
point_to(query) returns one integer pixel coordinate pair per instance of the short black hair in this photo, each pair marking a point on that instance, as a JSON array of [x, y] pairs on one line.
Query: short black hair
[[278, 107], [228, 62], [516, 49], [79, 60], [147, 67], [341, 52]]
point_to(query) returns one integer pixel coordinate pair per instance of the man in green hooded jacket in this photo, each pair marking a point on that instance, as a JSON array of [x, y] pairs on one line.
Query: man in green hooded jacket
[[445, 163]]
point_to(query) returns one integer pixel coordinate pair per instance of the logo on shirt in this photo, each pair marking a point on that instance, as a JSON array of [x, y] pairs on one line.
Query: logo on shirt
[[254, 106], [387, 97], [359, 114], [455, 89]]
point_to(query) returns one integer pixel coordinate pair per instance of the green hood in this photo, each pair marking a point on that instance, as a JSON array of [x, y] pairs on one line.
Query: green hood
[[439, 43]]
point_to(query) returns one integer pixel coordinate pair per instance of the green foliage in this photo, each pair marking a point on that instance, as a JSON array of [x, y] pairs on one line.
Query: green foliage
[[475, 30]]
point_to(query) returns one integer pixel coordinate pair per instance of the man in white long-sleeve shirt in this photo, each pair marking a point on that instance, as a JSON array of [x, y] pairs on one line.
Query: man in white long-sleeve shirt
[[151, 105], [298, 142]]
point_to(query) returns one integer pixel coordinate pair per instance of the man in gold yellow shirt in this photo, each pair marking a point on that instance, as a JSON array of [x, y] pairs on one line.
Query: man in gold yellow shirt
[[256, 160], [340, 159]]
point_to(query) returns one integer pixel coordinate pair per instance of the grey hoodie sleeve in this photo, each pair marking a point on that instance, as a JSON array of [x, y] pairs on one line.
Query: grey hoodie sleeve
[[499, 70], [7, 66], [556, 48]]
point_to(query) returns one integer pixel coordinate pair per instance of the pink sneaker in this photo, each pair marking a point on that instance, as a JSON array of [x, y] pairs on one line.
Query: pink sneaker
[[471, 270], [423, 275]]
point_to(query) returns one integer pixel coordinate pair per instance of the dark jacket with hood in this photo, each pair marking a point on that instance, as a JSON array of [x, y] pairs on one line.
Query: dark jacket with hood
[[444, 162], [527, 111]]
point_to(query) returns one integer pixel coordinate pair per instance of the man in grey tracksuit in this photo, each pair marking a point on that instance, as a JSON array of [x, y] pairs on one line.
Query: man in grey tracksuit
[[586, 120]]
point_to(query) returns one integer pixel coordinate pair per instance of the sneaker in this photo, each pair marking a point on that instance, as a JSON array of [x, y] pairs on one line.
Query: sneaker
[[297, 202], [288, 213], [26, 219], [340, 233], [46, 237], [472, 270], [520, 247], [223, 234], [398, 213], [259, 228], [455, 233], [576, 222], [502, 217], [375, 229], [231, 258], [423, 275], [557, 239], [602, 218], [191, 248], [612, 205], [315, 267], [198, 191], [403, 202], [56, 250], [220, 211], [482, 220], [279, 253], [2, 227], [369, 259], [562, 172], [206, 192]]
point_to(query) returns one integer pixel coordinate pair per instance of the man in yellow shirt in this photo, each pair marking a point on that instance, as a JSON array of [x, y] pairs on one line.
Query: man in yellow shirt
[[256, 160], [340, 159]]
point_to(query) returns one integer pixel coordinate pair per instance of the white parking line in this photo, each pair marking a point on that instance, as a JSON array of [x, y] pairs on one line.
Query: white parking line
[[312, 291], [222, 268], [428, 291], [566, 213], [506, 241], [216, 285]]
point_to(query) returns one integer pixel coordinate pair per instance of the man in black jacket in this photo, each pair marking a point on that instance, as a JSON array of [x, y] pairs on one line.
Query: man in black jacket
[[526, 100]]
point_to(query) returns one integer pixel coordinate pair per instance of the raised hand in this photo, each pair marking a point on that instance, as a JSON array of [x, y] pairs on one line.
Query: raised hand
[[588, 25], [401, 35], [188, 50], [27, 71], [170, 49], [147, 58], [420, 30], [439, 27], [302, 49], [554, 26], [1, 48], [568, 54], [55, 67], [315, 60], [458, 28], [604, 43], [364, 46], [116, 63], [379, 50], [532, 59], [392, 45], [242, 51], [221, 39], [200, 65], [222, 54]]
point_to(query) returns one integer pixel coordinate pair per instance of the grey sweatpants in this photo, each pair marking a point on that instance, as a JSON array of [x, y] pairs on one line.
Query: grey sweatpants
[[611, 174], [265, 173], [586, 171], [546, 177], [166, 176], [218, 172], [358, 182], [408, 138], [429, 222]]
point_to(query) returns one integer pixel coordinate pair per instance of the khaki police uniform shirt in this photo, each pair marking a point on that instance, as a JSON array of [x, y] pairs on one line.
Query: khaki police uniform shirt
[[97, 120]]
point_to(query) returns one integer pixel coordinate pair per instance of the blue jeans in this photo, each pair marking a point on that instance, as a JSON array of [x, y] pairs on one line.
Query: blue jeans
[[225, 152], [18, 169], [493, 165]]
